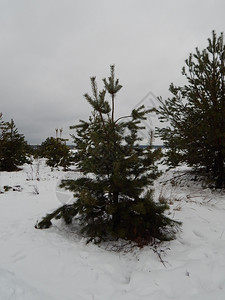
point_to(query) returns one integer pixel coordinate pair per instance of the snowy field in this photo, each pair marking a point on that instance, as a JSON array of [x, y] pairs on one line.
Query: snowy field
[[56, 263]]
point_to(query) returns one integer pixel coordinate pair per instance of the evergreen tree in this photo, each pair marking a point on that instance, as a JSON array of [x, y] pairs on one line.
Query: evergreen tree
[[56, 152], [13, 147], [196, 113], [113, 198]]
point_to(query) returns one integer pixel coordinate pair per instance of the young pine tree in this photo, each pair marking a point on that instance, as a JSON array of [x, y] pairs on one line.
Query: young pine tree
[[195, 134], [13, 147], [56, 152], [113, 195]]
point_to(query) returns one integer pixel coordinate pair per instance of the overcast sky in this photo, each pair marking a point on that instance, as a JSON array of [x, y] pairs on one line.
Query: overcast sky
[[50, 48]]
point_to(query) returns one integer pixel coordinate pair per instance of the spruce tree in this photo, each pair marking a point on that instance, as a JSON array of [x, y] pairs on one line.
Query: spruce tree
[[114, 197], [195, 134], [14, 149]]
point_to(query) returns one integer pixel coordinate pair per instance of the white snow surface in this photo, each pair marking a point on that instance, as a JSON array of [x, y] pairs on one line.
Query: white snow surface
[[57, 263]]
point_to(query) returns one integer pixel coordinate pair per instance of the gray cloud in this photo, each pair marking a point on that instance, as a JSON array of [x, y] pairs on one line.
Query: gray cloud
[[50, 48]]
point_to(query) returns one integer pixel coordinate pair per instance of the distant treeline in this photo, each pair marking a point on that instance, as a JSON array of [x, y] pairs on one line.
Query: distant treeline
[[37, 146], [73, 147]]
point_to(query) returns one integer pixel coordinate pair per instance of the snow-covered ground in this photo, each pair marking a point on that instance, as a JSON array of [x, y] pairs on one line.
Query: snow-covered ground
[[57, 264]]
